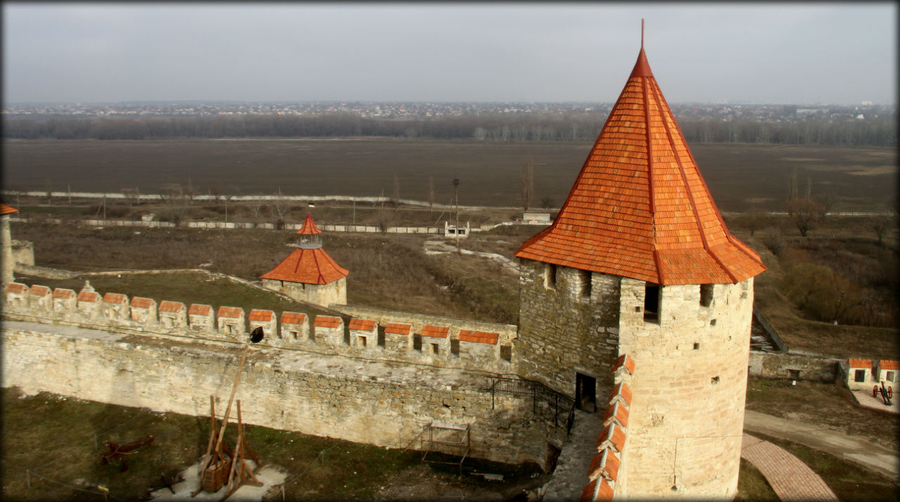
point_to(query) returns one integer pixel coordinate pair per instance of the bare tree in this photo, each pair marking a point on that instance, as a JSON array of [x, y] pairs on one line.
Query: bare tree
[[395, 194], [805, 214], [882, 223], [431, 195], [215, 189], [479, 134], [280, 208], [527, 181], [754, 220]]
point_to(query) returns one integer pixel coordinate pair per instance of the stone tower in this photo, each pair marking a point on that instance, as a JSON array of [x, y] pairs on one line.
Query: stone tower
[[308, 274], [639, 262], [6, 237]]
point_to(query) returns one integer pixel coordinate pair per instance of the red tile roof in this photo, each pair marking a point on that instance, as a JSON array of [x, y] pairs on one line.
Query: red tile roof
[[63, 293], [292, 318], [88, 296], [860, 363], [197, 309], [261, 315], [640, 207], [624, 360], [114, 298], [621, 390], [604, 464], [141, 303], [478, 337], [613, 436], [327, 322], [362, 324], [230, 312], [597, 490], [40, 290], [15, 287], [889, 365], [393, 328], [617, 412], [167, 306], [309, 227], [307, 266], [435, 331], [5, 209]]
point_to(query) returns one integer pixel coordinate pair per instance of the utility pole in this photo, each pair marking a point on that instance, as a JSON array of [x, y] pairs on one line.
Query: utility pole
[[456, 191], [354, 212]]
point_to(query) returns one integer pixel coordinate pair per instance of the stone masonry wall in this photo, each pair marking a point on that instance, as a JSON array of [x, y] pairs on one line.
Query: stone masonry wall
[[795, 367], [689, 387], [563, 328], [318, 294], [206, 322], [364, 401]]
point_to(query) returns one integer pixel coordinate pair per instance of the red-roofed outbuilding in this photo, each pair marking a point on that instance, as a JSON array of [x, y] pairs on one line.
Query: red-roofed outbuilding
[[309, 274]]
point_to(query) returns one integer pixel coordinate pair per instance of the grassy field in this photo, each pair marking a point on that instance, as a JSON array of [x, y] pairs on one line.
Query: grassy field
[[848, 482], [60, 452], [740, 177], [822, 403]]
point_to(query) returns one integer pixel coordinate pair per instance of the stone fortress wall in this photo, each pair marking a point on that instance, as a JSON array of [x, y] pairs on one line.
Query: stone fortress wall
[[372, 378], [365, 333]]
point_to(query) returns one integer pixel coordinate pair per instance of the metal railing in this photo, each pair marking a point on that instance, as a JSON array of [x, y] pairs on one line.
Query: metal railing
[[553, 407]]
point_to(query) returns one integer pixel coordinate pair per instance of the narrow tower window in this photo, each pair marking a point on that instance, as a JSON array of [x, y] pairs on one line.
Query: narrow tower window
[[706, 295], [651, 302], [549, 276], [584, 279]]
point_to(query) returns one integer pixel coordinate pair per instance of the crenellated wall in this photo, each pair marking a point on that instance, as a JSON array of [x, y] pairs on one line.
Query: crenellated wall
[[471, 345], [372, 402]]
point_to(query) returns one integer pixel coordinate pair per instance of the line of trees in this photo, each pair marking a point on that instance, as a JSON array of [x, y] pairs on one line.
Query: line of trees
[[880, 131]]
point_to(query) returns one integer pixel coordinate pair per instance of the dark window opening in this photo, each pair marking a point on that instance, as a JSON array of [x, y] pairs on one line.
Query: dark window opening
[[586, 393], [417, 342], [585, 280], [706, 295], [454, 347], [696, 346], [794, 374], [381, 341], [651, 302], [860, 376], [549, 276], [506, 352], [362, 341], [434, 348]]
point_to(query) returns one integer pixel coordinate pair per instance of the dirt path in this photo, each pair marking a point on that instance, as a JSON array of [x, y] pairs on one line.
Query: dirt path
[[873, 456]]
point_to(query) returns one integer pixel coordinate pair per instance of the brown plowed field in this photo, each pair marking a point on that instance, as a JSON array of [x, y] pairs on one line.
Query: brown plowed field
[[740, 177]]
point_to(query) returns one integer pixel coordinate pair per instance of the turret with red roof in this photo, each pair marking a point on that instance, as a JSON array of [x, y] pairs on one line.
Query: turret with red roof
[[309, 274]]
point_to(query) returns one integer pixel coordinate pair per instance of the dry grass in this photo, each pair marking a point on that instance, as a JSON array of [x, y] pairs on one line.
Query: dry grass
[[822, 403], [741, 177], [752, 485], [849, 482], [60, 446]]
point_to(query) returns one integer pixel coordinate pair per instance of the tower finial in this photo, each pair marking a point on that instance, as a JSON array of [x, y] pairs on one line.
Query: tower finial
[[642, 33]]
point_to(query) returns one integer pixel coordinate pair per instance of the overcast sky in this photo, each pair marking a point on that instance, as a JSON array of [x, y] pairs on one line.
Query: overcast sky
[[707, 52]]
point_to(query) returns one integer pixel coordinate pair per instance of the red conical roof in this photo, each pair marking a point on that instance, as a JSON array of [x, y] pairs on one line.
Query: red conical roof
[[309, 227], [309, 266], [5, 209], [640, 207]]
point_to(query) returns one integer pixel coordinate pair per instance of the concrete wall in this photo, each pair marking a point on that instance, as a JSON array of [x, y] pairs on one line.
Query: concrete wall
[[563, 331], [374, 403], [688, 387]]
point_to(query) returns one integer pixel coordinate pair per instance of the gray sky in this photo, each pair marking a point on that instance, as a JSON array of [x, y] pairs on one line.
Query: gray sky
[[706, 52]]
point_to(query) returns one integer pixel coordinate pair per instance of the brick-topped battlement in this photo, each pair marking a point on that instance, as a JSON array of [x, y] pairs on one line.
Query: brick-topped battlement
[[448, 345], [87, 297]]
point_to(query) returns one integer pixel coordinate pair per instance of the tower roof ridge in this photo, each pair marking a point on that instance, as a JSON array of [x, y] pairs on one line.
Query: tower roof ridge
[[309, 226], [640, 207]]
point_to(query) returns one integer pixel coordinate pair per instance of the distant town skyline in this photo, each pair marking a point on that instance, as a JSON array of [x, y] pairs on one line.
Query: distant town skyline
[[529, 53]]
